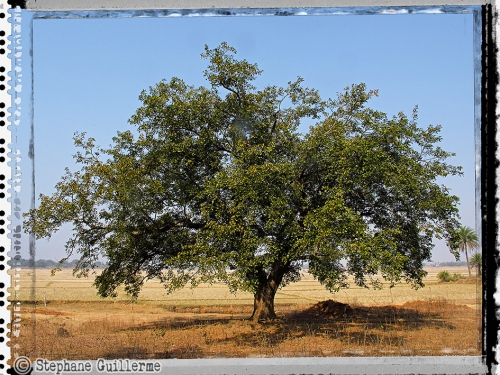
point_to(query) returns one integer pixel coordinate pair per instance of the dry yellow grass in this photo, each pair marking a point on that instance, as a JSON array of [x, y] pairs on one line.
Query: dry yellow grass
[[439, 319]]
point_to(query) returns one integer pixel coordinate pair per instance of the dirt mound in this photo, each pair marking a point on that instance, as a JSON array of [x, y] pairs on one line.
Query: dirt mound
[[331, 307]]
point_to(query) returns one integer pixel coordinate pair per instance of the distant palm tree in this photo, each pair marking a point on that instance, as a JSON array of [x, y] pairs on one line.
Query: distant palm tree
[[476, 261], [467, 240]]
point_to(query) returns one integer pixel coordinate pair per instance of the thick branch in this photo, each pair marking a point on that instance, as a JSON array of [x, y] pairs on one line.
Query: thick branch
[[186, 223]]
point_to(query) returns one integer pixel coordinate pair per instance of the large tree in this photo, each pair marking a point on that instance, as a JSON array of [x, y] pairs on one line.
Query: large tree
[[219, 185]]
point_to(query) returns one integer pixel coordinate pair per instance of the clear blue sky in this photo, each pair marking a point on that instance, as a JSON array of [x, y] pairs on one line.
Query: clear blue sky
[[89, 73]]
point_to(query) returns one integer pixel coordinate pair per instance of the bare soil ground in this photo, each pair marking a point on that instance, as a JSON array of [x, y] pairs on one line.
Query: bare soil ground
[[73, 323]]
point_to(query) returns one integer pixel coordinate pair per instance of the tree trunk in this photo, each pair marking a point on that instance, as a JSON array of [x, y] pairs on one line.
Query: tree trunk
[[263, 305], [467, 259]]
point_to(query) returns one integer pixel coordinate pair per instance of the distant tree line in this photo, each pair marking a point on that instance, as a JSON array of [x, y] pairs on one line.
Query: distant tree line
[[447, 264], [47, 263]]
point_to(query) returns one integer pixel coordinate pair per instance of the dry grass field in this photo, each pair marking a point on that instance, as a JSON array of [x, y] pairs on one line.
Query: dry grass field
[[70, 321]]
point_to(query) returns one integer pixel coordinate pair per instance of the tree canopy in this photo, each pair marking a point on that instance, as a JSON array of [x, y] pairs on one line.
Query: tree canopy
[[219, 185]]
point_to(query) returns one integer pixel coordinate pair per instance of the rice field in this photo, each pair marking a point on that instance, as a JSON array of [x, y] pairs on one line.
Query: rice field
[[64, 287]]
